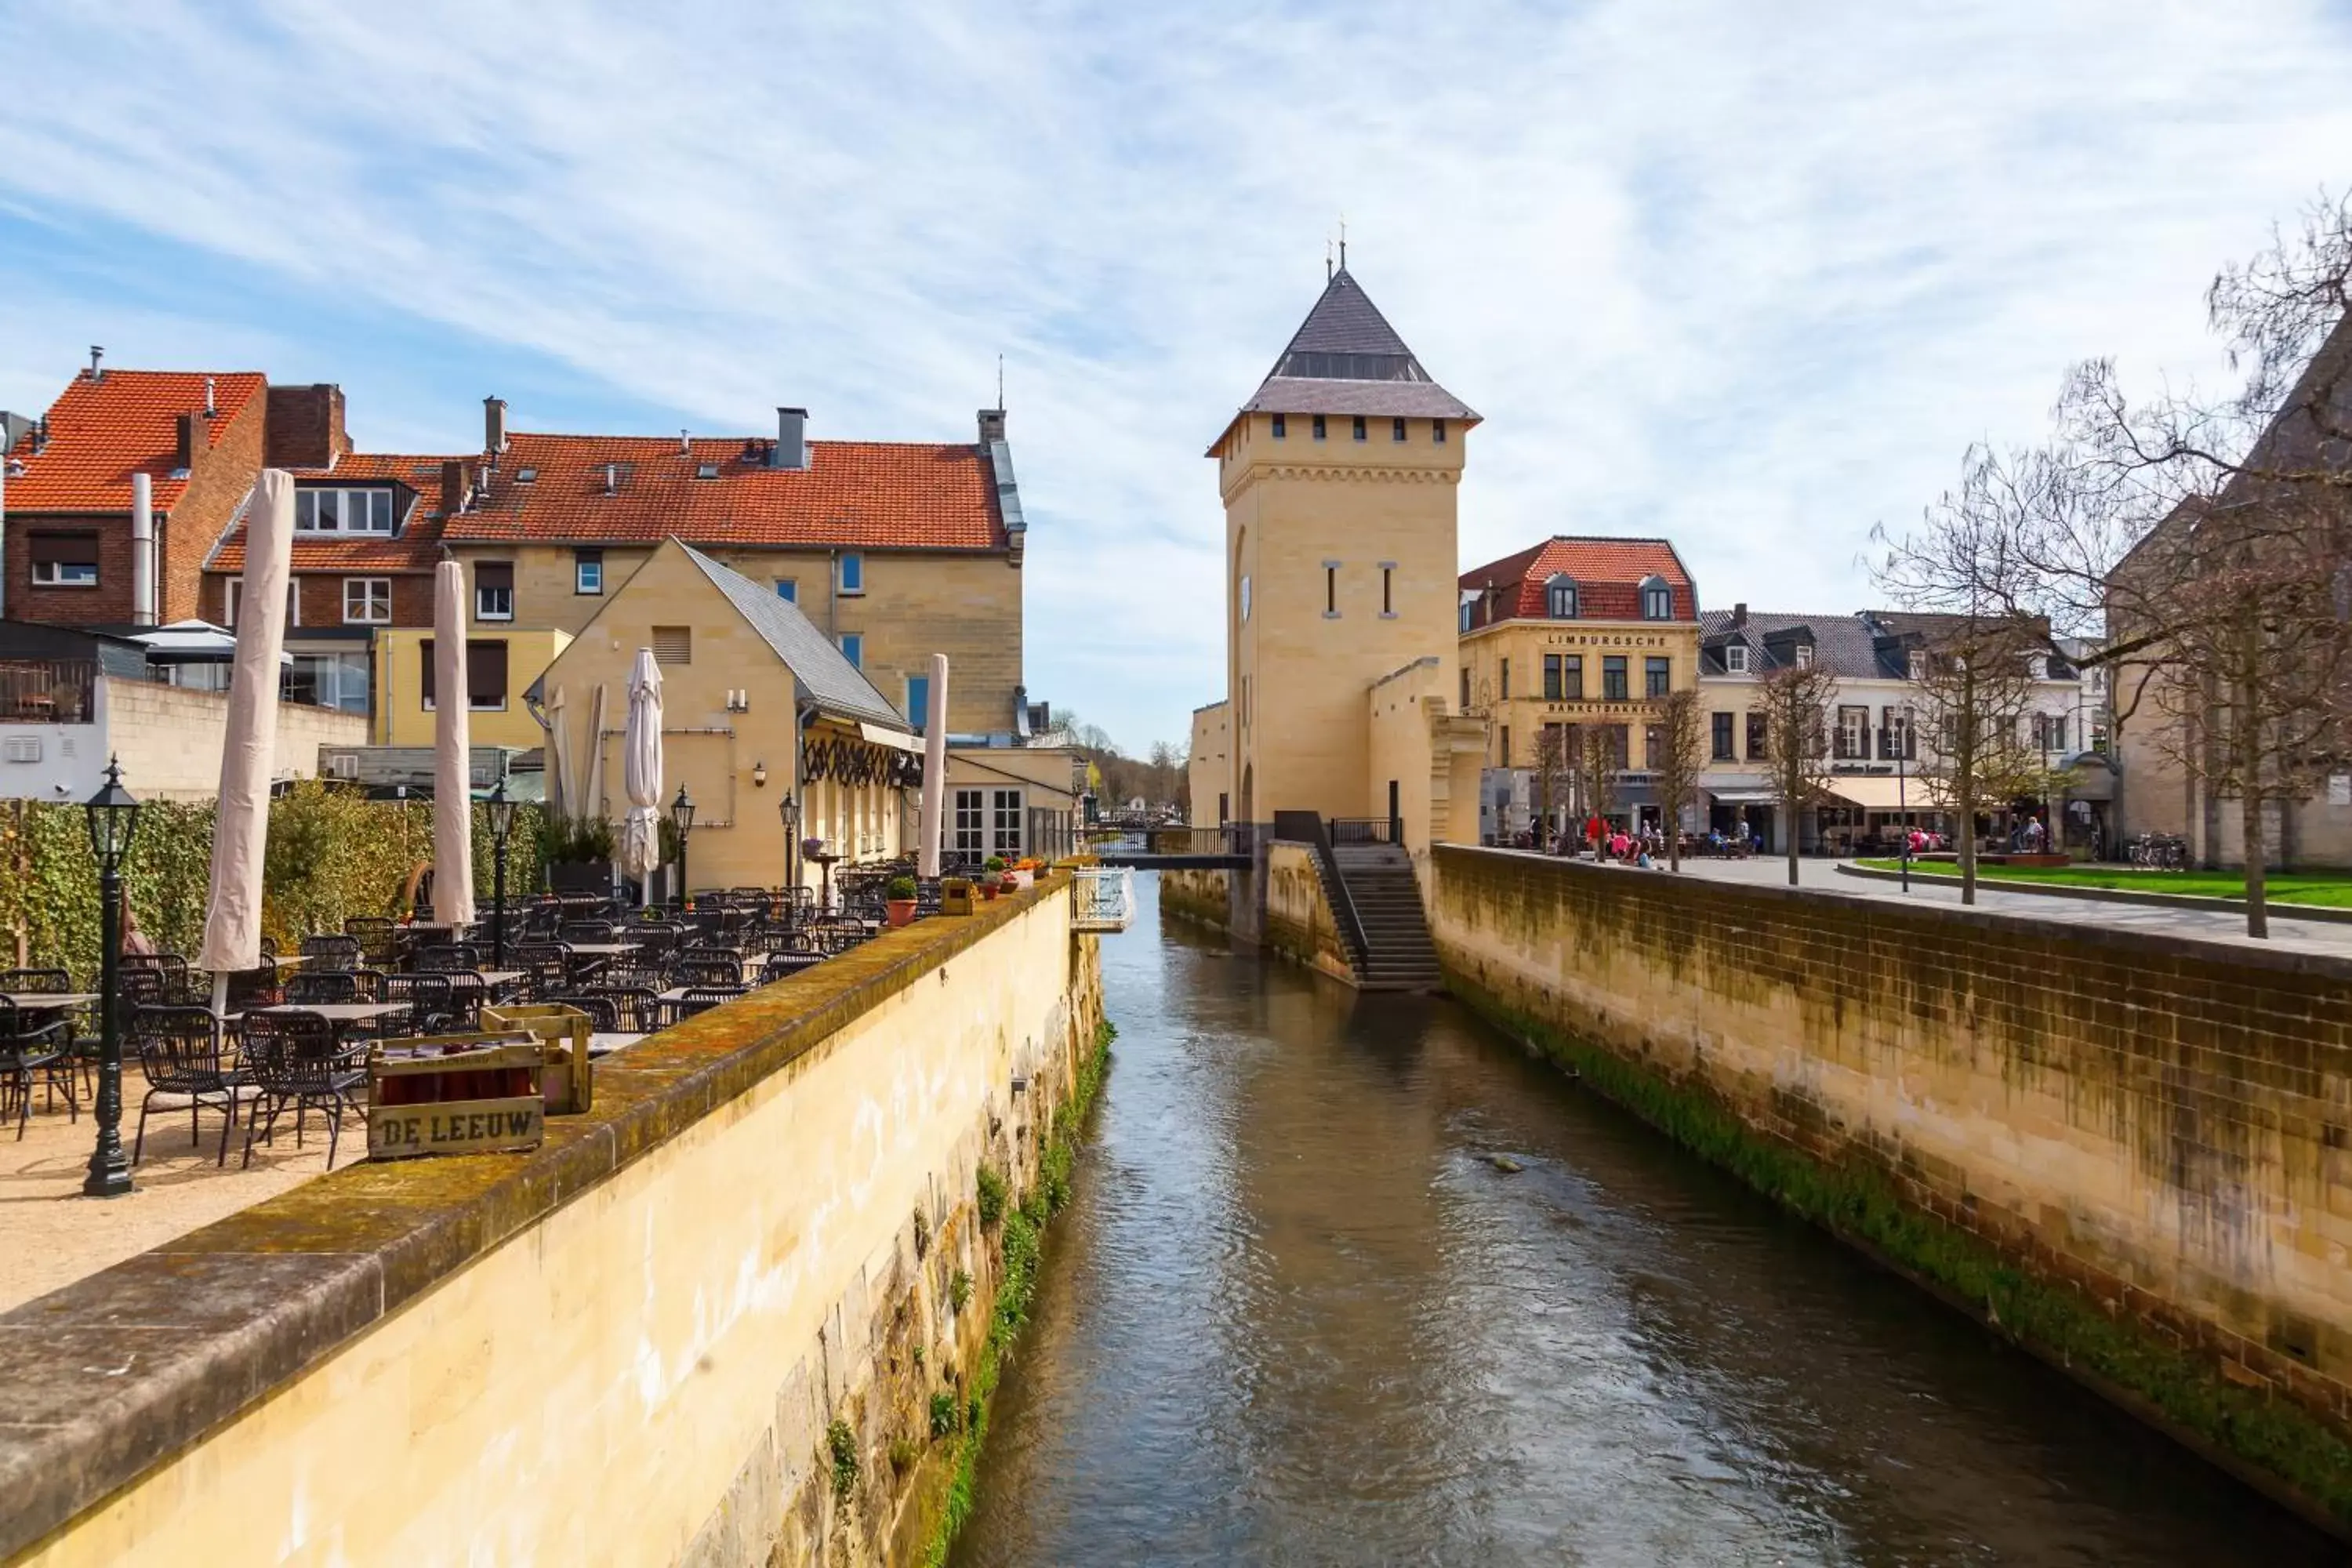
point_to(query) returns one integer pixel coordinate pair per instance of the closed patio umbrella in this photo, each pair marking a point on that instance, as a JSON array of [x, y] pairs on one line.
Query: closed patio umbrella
[[453, 785], [592, 794], [560, 783], [641, 772], [232, 941]]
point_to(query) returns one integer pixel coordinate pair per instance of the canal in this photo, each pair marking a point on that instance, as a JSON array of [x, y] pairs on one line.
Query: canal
[[1296, 1313]]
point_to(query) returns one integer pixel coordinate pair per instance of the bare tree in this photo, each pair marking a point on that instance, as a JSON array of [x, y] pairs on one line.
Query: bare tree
[[1598, 760], [2203, 540], [1677, 753], [1976, 691], [1795, 701], [1554, 769]]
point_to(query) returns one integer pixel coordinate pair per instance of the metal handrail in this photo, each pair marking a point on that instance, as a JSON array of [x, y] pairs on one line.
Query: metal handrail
[[1335, 886]]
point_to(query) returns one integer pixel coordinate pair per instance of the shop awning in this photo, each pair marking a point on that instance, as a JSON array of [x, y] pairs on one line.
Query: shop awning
[[896, 740], [1741, 796], [1881, 792]]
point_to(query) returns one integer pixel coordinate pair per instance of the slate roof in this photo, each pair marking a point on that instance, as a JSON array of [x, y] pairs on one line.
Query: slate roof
[[1843, 643], [861, 495], [101, 430], [411, 549], [821, 673], [1609, 575], [1345, 359]]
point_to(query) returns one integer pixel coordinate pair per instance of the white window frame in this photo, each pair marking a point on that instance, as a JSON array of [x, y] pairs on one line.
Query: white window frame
[[969, 828], [1008, 821], [346, 501], [588, 574], [52, 574], [369, 587], [482, 602], [1735, 657], [849, 574]]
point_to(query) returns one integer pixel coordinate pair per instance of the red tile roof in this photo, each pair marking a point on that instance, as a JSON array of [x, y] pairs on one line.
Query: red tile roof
[[415, 548], [1609, 575], [100, 432], [868, 495]]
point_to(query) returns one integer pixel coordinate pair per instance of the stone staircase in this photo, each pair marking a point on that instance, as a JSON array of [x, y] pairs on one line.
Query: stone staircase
[[1398, 955]]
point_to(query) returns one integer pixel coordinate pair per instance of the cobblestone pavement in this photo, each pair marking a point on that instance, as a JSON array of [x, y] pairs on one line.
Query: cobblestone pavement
[[2287, 933]]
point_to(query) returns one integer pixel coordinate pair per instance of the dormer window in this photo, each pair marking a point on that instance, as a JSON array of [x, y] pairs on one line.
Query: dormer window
[[1468, 605], [525, 475], [1918, 665], [1804, 656], [706, 470], [2038, 667], [1657, 600], [342, 511], [1735, 657], [1559, 598]]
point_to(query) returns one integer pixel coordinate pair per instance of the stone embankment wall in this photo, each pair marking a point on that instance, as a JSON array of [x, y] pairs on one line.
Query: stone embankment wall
[[2131, 1152], [1197, 896], [705, 1322], [1299, 924]]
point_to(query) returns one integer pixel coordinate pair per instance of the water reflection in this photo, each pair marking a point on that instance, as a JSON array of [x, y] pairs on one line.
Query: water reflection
[[1296, 1316]]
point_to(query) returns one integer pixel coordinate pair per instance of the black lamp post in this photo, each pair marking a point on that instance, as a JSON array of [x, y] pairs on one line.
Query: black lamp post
[[501, 812], [788, 812], [682, 812], [1901, 792], [113, 815]]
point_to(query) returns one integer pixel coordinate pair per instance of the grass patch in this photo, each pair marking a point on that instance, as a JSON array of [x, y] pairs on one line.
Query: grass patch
[[2328, 889], [1858, 1202], [1024, 1243]]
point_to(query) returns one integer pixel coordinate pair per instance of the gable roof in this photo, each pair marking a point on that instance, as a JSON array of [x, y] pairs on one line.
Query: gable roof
[[1609, 573], [1843, 643], [861, 495], [412, 548], [103, 429], [1345, 359], [821, 674]]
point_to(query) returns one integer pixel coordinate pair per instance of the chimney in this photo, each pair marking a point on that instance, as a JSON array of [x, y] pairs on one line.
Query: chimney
[[612, 479], [303, 427], [189, 441], [96, 354], [1740, 615], [992, 425], [494, 425], [40, 435], [457, 482], [212, 404], [685, 445], [790, 450], [142, 550]]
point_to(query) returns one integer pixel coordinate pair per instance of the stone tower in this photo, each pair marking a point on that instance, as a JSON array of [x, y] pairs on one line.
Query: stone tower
[[1338, 480]]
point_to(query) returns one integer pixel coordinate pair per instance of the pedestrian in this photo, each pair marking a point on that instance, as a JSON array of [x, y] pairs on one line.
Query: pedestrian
[[135, 942]]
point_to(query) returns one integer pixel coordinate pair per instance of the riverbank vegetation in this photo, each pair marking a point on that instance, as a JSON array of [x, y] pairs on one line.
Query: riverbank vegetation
[[2245, 1429], [2329, 888], [1021, 1238]]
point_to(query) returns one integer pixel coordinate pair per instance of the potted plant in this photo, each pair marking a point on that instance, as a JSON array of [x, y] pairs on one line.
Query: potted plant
[[1008, 883], [898, 897], [578, 854], [991, 877]]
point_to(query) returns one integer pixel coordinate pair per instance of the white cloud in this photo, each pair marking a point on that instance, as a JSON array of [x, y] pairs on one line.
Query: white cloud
[[1750, 277]]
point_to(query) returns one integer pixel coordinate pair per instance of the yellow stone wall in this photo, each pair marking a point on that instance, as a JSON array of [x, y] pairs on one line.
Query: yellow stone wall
[[1209, 766], [2153, 1125], [1432, 752], [645, 1374], [916, 603], [1299, 924], [402, 719], [1526, 711], [1298, 665]]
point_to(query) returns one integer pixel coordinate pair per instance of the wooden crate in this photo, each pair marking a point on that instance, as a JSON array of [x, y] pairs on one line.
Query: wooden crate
[[570, 1082], [454, 1094]]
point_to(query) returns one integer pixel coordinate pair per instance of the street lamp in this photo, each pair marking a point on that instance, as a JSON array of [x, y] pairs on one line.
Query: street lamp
[[788, 812], [113, 815], [681, 813], [501, 811], [1901, 792]]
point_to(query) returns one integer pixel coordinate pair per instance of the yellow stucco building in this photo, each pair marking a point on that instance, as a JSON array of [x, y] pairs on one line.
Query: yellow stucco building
[[1338, 478]]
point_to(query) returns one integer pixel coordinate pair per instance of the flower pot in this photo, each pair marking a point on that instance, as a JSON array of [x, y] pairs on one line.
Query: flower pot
[[901, 911], [988, 891]]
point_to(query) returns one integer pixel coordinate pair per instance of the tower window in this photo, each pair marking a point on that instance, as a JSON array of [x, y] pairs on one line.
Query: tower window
[[1396, 431], [1330, 590], [1360, 426], [1437, 431], [1281, 428], [1388, 588], [1318, 426]]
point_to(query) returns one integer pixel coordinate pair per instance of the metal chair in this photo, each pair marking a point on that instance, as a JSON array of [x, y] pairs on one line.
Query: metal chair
[[603, 1012], [636, 1010], [341, 952], [295, 1058], [546, 966], [449, 956], [327, 986], [585, 930], [431, 998], [181, 1053], [29, 1047], [702, 999], [784, 966], [705, 968]]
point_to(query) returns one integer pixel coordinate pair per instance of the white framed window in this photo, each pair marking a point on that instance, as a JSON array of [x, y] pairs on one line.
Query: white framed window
[[367, 601], [853, 573], [588, 572], [1804, 656], [1004, 820], [494, 591], [65, 560], [853, 649], [1735, 657], [1918, 665], [971, 821], [343, 511]]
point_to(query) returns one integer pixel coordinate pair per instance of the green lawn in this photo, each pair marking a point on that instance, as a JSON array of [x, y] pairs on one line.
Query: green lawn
[[2332, 888]]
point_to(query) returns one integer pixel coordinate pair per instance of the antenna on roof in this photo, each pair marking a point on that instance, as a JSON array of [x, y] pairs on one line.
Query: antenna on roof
[[999, 384], [1343, 242], [1326, 258]]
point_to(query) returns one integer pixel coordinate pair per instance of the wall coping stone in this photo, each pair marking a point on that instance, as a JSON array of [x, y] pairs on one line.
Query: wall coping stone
[[1887, 911], [2282, 910], [119, 1373]]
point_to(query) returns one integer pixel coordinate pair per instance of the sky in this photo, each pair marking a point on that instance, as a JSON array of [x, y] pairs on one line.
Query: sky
[[1752, 278]]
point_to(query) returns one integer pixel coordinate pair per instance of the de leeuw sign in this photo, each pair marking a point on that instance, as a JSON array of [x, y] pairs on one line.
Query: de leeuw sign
[[456, 1127]]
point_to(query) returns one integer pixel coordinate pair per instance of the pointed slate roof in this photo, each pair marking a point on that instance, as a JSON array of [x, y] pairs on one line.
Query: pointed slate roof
[[1345, 359], [821, 672]]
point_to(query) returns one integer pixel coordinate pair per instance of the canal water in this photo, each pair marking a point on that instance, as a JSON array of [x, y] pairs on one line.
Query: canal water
[[1294, 1315]]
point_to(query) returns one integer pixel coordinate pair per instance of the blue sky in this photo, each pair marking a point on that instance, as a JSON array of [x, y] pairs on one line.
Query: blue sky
[[1749, 277]]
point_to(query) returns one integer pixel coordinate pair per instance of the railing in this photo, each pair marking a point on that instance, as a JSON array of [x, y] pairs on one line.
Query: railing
[[1230, 840], [1365, 830], [47, 691], [1103, 899], [1306, 828]]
